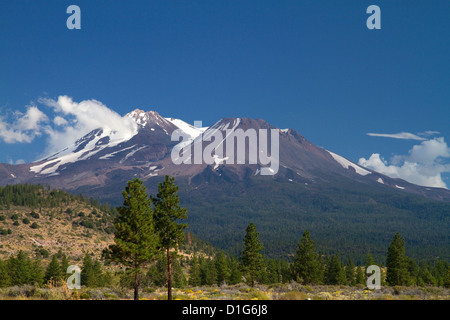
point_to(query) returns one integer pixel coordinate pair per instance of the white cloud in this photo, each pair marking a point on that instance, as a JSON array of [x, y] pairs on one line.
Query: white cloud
[[400, 135], [71, 121], [424, 165], [76, 119], [60, 121], [24, 128]]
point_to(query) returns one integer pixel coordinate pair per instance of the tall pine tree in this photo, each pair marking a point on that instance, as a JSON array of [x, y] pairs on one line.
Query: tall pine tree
[[167, 215], [135, 238], [252, 260], [306, 261], [397, 263]]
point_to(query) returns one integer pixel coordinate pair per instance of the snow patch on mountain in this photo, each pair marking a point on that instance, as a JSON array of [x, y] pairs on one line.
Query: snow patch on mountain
[[346, 164], [190, 130], [82, 149]]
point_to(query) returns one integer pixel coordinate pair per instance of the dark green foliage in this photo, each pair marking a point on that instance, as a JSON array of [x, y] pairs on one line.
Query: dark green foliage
[[34, 225], [425, 277], [306, 261], [208, 272], [167, 215], [252, 260], [26, 221], [35, 215], [222, 269], [397, 263], [5, 276], [135, 239], [360, 278], [20, 268], [91, 273], [157, 274], [37, 272], [351, 223], [2, 218], [53, 272], [195, 278], [64, 265], [335, 273], [350, 273]]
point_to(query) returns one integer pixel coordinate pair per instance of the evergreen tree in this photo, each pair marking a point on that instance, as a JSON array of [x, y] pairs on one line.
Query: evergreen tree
[[157, 273], [396, 262], [167, 214], [88, 278], [135, 239], [5, 278], [208, 272], [360, 278], [306, 261], [235, 272], [413, 270], [222, 269], [37, 272], [252, 261], [336, 273], [425, 278], [194, 273], [53, 272], [64, 265], [274, 272], [350, 272], [20, 269]]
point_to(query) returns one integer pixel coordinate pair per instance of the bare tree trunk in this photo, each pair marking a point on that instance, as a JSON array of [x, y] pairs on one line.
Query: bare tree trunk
[[169, 276], [136, 286]]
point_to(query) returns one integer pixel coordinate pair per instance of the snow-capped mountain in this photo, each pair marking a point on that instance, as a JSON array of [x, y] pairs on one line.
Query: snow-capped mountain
[[106, 156], [313, 188]]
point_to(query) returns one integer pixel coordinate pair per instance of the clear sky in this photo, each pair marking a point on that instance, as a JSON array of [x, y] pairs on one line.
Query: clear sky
[[309, 65]]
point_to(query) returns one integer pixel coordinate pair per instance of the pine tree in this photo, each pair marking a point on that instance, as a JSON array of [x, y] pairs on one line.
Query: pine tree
[[360, 278], [306, 261], [252, 261], [87, 274], [37, 272], [335, 274], [5, 278], [222, 269], [235, 272], [53, 272], [194, 273], [413, 269], [64, 266], [425, 278], [20, 269], [208, 272], [167, 214], [396, 262], [350, 272], [135, 238]]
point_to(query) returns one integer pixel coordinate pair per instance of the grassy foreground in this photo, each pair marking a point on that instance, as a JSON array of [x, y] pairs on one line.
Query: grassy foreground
[[291, 291]]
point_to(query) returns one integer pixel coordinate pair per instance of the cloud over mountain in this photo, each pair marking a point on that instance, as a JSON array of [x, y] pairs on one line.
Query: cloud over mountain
[[64, 121], [423, 165]]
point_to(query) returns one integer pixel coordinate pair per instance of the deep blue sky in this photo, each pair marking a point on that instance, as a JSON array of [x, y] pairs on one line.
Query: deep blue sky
[[308, 65]]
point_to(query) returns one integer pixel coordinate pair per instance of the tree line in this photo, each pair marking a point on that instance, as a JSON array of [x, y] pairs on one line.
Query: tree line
[[22, 270]]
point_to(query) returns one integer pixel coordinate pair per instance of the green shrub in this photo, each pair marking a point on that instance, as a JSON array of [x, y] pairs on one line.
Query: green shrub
[[34, 225]]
